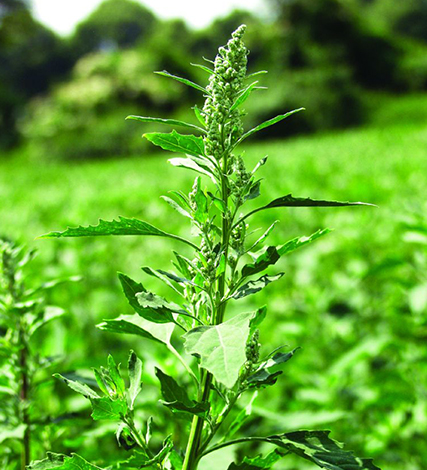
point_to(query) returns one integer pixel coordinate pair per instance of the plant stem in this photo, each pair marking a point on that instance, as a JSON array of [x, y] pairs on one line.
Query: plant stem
[[25, 387]]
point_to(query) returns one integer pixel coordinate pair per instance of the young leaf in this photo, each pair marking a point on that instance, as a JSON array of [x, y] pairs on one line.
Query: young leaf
[[164, 73], [221, 347], [107, 408], [176, 206], [174, 142], [201, 212], [241, 418], [199, 115], [136, 325], [268, 123], [78, 387], [243, 96], [176, 397], [62, 462], [135, 375], [252, 287], [203, 67], [157, 308], [165, 277], [123, 226], [169, 122], [254, 191], [116, 377], [263, 236], [192, 165]]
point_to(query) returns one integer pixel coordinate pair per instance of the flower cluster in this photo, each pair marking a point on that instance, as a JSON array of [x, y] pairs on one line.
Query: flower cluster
[[225, 84]]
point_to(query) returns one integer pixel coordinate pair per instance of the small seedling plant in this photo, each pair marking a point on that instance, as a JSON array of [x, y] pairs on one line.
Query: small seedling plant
[[25, 431], [227, 263]]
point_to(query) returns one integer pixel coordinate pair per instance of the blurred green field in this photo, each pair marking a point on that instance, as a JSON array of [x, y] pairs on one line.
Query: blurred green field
[[355, 301]]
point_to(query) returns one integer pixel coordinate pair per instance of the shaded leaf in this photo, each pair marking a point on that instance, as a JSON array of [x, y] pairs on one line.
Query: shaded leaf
[[131, 289], [115, 376], [252, 287], [174, 142], [254, 191], [317, 447], [191, 165], [222, 348], [135, 377], [259, 462], [176, 397], [170, 122]]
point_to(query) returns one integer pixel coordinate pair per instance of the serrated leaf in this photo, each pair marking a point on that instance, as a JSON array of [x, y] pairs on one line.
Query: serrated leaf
[[135, 377], [131, 288], [259, 462], [169, 122], [268, 123], [164, 311], [263, 236], [78, 387], [243, 96], [107, 408], [252, 287], [176, 397], [174, 142], [222, 348], [165, 277], [62, 462], [136, 325], [123, 226], [317, 447], [185, 81]]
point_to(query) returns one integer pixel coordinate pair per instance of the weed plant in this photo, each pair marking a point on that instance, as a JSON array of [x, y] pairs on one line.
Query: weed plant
[[224, 361]]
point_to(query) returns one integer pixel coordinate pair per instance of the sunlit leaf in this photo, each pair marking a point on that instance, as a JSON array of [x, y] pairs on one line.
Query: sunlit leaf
[[62, 462], [252, 287], [182, 80], [169, 122], [135, 377]]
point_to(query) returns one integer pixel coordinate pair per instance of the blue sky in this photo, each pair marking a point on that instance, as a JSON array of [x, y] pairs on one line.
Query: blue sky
[[63, 15]]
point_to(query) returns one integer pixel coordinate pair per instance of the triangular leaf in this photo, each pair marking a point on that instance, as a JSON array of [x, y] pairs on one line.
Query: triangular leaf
[[222, 348]]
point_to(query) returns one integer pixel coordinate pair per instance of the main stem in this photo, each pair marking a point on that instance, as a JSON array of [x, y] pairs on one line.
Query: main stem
[[192, 456]]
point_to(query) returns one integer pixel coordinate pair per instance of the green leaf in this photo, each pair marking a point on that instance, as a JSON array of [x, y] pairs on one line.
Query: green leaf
[[222, 348], [50, 313], [176, 206], [201, 212], [191, 165], [259, 462], [78, 387], [268, 373], [169, 122], [203, 67], [62, 462], [107, 408], [135, 377], [136, 325], [254, 191], [165, 277], [164, 73], [263, 236], [131, 289], [262, 162], [9, 432], [123, 226], [174, 142], [116, 377], [241, 418], [252, 287], [272, 254], [161, 311], [268, 123], [199, 115], [176, 397], [243, 96], [317, 447]]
